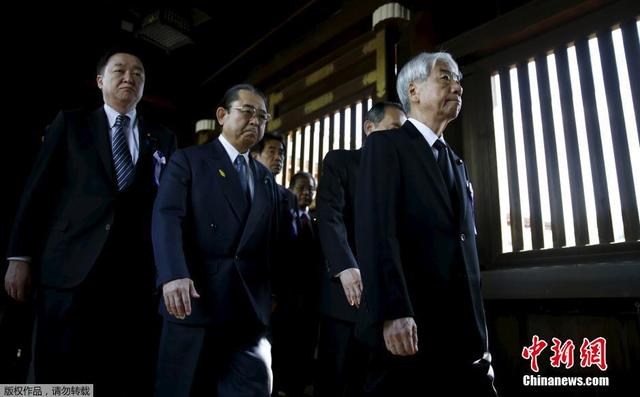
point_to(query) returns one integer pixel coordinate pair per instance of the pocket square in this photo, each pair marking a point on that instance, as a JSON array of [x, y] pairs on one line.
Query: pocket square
[[159, 161]]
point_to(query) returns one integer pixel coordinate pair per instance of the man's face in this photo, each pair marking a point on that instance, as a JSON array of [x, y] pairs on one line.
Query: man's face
[[241, 126], [304, 189], [440, 96], [272, 156], [393, 118], [122, 81]]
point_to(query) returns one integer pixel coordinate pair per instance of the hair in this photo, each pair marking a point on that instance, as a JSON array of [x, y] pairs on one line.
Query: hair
[[418, 69], [300, 175], [232, 94], [120, 49], [268, 136], [376, 113]]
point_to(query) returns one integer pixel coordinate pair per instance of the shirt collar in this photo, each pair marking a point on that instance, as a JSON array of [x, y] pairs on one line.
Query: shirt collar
[[426, 132], [113, 114], [232, 152]]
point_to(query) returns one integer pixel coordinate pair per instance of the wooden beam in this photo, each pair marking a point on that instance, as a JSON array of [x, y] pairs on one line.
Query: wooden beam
[[551, 152], [628, 199], [598, 173]]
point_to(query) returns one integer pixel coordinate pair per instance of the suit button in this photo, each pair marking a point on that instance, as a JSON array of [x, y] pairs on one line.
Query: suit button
[[107, 227], [237, 258], [212, 226], [462, 237]]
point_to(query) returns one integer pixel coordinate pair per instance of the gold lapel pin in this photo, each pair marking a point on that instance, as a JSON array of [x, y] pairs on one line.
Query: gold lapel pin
[[222, 174]]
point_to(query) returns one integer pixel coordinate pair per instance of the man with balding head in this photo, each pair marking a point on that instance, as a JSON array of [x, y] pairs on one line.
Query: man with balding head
[[213, 224], [415, 234]]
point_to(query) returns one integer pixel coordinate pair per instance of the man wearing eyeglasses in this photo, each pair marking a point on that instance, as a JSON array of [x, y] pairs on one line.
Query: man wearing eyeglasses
[[212, 226], [415, 235]]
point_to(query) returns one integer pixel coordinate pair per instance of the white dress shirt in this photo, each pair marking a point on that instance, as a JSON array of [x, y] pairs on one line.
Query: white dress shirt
[[233, 153], [429, 135]]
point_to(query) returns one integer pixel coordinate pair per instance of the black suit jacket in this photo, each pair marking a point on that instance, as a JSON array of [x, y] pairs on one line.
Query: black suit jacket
[[417, 247], [336, 222], [204, 228], [71, 199], [284, 256]]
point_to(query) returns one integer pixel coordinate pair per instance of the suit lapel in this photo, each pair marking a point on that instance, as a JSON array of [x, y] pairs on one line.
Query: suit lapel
[[258, 204], [99, 126], [147, 143], [423, 152], [144, 139], [227, 176]]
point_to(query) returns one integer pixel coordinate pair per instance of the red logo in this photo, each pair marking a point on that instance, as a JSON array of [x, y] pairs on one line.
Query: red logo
[[591, 353], [594, 353], [532, 352], [562, 353]]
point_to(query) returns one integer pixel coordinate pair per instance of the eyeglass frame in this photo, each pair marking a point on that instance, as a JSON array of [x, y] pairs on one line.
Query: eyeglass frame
[[453, 77], [249, 110]]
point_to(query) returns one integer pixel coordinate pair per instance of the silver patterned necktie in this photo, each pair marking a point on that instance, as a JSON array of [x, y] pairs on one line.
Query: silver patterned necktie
[[122, 161]]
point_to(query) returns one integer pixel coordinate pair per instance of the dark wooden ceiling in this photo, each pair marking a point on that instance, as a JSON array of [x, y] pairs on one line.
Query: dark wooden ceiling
[[56, 45]]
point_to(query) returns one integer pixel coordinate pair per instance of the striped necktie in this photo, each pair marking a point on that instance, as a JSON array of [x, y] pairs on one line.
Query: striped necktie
[[121, 154]]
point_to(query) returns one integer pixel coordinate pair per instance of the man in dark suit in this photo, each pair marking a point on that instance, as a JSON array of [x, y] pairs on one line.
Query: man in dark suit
[[341, 360], [415, 235], [82, 232], [270, 151], [213, 221], [295, 320]]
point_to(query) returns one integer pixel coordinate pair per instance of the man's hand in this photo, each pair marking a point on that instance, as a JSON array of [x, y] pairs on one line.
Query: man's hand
[[352, 285], [17, 281], [177, 297], [401, 336]]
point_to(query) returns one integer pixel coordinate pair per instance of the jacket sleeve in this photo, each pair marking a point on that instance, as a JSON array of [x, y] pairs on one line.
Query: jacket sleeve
[[331, 204], [169, 212], [377, 200], [34, 210]]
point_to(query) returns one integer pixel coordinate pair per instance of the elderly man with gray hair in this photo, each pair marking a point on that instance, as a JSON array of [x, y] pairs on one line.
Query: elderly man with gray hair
[[415, 236]]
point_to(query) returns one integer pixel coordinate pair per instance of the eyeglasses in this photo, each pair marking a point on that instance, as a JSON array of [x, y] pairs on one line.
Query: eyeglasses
[[251, 112], [448, 77]]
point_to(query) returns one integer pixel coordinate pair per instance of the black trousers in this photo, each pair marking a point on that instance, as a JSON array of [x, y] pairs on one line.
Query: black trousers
[[426, 373], [104, 332], [294, 334], [342, 360], [207, 361]]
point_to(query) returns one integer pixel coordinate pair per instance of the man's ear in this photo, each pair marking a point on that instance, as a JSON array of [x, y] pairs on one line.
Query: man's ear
[[254, 155], [99, 81], [221, 114], [413, 92], [368, 127]]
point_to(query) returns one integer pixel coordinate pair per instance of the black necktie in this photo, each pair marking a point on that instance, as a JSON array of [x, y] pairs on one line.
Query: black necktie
[[306, 230], [121, 155], [241, 167], [445, 166]]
